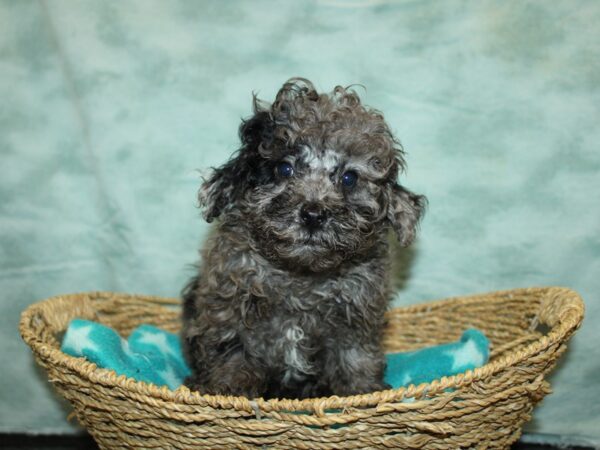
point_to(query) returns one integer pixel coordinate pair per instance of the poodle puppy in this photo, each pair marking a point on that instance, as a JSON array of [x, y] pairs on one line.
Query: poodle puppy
[[293, 286]]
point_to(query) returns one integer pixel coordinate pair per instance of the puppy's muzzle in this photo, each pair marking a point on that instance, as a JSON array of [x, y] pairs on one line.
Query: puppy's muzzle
[[313, 216]]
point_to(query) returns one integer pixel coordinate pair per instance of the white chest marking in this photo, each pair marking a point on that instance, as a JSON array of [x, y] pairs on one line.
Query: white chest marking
[[297, 365]]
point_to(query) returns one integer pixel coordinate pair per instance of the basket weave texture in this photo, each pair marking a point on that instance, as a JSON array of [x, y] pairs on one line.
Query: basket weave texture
[[483, 408]]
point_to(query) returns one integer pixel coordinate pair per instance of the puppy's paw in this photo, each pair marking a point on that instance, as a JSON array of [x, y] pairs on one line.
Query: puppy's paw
[[357, 387], [222, 388], [378, 386], [194, 384]]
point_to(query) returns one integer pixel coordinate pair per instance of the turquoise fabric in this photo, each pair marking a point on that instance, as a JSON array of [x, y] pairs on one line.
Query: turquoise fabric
[[109, 108], [153, 355], [472, 350], [149, 354]]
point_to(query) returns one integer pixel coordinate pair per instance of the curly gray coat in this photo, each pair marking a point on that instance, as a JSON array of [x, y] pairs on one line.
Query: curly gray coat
[[291, 295]]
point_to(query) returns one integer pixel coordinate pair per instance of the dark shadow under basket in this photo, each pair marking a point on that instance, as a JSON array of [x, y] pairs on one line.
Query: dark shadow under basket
[[484, 408]]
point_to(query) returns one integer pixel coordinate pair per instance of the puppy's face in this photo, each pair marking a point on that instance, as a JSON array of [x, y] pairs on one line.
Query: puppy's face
[[315, 179]]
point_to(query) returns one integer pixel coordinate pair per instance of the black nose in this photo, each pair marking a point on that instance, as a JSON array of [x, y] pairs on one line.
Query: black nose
[[313, 215]]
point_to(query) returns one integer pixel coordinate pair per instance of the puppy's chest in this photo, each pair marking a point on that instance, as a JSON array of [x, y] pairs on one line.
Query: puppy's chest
[[294, 346], [295, 328], [295, 318]]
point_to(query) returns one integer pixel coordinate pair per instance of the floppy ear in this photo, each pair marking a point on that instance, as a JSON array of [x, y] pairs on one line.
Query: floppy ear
[[228, 183], [404, 212]]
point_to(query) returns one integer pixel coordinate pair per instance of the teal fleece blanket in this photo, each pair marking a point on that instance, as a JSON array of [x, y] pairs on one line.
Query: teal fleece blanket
[[154, 355]]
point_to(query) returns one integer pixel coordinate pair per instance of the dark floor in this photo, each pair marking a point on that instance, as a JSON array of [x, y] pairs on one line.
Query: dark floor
[[44, 442]]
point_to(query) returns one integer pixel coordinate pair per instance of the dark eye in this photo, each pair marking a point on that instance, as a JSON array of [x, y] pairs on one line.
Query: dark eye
[[349, 178], [285, 170]]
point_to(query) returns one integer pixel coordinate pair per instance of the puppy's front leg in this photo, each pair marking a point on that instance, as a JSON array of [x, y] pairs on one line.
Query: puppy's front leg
[[234, 376], [223, 367], [356, 368]]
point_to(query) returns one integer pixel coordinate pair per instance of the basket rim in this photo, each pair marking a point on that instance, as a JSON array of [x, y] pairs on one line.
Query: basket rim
[[567, 316]]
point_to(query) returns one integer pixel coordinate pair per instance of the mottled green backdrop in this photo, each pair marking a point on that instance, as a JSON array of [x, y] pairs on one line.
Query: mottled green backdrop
[[107, 110]]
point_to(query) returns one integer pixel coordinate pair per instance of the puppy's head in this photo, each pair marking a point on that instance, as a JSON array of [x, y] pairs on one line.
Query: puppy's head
[[315, 180]]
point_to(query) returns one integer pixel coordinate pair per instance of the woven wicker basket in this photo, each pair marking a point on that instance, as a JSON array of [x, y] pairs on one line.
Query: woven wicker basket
[[484, 408]]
